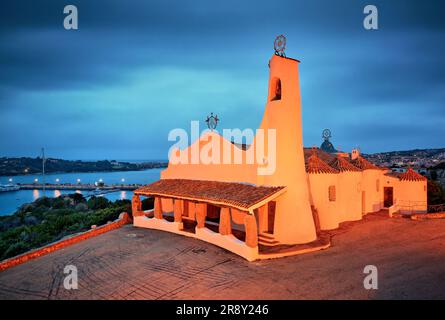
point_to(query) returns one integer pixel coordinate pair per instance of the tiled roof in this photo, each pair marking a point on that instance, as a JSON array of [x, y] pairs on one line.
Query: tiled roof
[[315, 165], [411, 175], [232, 194], [324, 156], [342, 164], [392, 174], [364, 164]]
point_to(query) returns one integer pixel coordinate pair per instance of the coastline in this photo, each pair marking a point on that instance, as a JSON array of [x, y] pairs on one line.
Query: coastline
[[77, 171], [22, 166], [10, 201]]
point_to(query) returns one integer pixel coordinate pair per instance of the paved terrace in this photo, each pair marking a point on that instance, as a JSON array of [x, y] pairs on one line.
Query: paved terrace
[[132, 263]]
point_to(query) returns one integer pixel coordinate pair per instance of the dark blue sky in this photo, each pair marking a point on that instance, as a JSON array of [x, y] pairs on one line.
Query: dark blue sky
[[136, 69]]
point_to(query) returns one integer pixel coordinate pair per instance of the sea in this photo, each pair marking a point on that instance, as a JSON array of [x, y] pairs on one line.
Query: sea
[[11, 200]]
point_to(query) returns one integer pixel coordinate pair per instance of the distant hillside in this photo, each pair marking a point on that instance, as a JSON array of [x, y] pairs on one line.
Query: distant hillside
[[24, 165], [414, 152], [418, 158]]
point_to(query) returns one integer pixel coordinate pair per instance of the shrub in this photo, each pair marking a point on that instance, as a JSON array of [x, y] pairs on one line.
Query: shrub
[[436, 193], [96, 203], [15, 249], [48, 220]]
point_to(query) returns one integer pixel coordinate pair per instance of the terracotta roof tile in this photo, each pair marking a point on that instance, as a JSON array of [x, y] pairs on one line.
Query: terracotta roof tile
[[342, 164], [227, 193], [411, 175], [336, 162], [392, 174], [324, 156], [315, 165], [364, 164]]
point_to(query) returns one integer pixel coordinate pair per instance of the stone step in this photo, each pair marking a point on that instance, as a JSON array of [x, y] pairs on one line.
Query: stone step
[[266, 235], [267, 240], [268, 244]]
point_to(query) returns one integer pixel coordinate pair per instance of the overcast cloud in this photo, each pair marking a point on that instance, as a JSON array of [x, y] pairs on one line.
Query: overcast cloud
[[136, 69]]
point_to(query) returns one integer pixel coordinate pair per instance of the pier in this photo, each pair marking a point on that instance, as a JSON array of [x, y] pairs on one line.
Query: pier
[[78, 186]]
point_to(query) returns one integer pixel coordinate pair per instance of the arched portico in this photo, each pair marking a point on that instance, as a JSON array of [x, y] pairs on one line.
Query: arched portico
[[231, 215]]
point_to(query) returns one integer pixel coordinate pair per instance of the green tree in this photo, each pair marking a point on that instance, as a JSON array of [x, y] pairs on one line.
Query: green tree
[[436, 193]]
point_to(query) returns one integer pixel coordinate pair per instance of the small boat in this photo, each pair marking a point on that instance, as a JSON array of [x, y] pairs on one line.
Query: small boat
[[9, 187], [100, 192]]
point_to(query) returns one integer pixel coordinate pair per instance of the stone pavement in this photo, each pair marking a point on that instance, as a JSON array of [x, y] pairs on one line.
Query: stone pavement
[[135, 263]]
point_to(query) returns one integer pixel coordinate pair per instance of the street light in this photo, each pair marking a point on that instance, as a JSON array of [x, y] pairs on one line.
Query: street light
[[10, 179], [36, 180], [123, 180], [78, 180], [57, 180]]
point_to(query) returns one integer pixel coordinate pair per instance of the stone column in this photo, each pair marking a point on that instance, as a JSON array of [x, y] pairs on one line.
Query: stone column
[[251, 231], [158, 208], [178, 209], [263, 218], [238, 216], [201, 212], [185, 208], [136, 206], [225, 227], [167, 205], [192, 210]]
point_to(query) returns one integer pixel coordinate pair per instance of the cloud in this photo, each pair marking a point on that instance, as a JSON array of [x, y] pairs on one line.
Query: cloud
[[135, 70]]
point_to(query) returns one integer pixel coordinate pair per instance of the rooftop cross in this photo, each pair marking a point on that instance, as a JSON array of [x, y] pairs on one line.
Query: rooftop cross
[[212, 121], [280, 45]]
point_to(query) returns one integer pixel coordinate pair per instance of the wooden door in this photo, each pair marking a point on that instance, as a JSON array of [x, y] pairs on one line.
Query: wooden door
[[388, 197], [271, 216]]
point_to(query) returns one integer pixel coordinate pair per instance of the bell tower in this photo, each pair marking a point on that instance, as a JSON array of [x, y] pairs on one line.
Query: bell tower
[[293, 216]]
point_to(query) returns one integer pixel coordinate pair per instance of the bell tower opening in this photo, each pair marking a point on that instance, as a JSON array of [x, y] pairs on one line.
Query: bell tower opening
[[275, 89]]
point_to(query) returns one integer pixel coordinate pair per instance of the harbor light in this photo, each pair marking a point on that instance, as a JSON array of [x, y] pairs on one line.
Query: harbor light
[[10, 179], [78, 180], [36, 180], [57, 180]]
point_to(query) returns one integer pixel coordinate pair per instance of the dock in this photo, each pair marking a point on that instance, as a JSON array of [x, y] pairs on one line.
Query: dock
[[78, 186]]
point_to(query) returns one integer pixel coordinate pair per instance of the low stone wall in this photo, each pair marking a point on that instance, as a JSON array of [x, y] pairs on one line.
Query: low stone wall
[[424, 216], [123, 219]]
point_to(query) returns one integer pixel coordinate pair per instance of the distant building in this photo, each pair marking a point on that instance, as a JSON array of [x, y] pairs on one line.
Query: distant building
[[312, 189]]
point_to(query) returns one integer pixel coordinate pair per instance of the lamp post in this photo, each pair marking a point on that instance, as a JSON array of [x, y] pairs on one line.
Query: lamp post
[[43, 170]]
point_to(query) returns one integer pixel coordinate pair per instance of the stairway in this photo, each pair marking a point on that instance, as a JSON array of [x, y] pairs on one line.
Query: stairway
[[267, 239]]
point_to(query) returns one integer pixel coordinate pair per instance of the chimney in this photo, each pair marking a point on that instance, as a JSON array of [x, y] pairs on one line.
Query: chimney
[[354, 154]]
